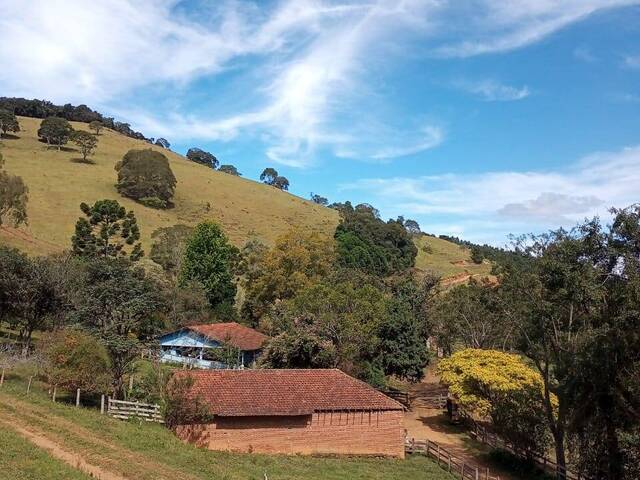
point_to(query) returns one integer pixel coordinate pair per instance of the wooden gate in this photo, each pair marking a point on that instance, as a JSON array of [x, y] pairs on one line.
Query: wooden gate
[[126, 410]]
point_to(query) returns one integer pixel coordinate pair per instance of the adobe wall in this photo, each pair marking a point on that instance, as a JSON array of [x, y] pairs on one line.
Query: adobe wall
[[348, 433]]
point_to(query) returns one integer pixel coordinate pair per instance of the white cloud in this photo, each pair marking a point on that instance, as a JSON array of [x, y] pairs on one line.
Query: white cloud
[[492, 91], [632, 61], [511, 201]]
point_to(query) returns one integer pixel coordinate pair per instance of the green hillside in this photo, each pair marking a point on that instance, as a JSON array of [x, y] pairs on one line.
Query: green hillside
[[58, 184]]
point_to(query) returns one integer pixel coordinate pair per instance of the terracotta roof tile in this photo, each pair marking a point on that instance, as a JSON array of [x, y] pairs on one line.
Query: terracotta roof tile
[[284, 392], [233, 333]]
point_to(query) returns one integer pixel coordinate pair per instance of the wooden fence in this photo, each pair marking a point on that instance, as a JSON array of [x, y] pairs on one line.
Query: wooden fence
[[484, 435], [431, 401], [399, 396], [448, 461], [126, 410]]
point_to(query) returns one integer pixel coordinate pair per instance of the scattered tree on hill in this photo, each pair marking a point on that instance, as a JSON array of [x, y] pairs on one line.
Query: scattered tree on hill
[[204, 158], [210, 260], [230, 169], [281, 183], [145, 176], [500, 386], [297, 260], [55, 131], [121, 306], [74, 359], [412, 226], [86, 142], [168, 247], [163, 142], [13, 197], [269, 175], [96, 126], [8, 122], [107, 230], [319, 199]]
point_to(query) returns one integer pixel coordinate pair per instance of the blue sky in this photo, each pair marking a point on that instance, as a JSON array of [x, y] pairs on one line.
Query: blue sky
[[477, 118]]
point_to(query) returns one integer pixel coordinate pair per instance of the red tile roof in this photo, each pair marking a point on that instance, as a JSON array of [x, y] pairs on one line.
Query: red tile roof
[[237, 393], [233, 333]]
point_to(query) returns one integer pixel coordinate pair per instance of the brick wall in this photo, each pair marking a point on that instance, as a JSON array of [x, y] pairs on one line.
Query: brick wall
[[352, 433]]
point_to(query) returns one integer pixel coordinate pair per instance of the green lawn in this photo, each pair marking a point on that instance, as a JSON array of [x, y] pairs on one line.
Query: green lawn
[[144, 451], [19, 459]]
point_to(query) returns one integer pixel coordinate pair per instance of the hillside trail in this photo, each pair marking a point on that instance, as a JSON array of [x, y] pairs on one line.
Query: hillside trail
[[426, 423], [52, 433]]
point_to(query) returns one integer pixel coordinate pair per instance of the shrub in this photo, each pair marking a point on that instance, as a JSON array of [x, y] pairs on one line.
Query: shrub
[[75, 359], [145, 176], [8, 122], [182, 406]]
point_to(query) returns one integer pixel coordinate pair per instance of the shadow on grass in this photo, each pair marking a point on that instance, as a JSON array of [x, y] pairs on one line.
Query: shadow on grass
[[83, 161], [8, 136]]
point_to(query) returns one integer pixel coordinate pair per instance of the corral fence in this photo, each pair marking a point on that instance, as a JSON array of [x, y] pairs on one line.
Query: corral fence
[[484, 435], [447, 460], [438, 401], [399, 396], [125, 410]]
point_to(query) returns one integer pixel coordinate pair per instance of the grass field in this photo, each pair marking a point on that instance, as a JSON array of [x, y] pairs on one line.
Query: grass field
[[145, 452], [448, 259], [58, 184]]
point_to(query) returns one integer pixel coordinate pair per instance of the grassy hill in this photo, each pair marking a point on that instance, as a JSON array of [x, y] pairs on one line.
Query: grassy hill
[[81, 438], [58, 184]]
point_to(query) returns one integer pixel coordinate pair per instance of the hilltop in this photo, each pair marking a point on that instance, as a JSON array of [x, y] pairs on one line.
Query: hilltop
[[58, 183]]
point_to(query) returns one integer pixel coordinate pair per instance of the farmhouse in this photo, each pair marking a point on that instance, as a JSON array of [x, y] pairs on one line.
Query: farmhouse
[[294, 412], [215, 345]]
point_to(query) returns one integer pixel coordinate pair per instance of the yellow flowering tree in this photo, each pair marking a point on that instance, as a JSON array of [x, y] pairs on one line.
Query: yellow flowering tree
[[501, 387]]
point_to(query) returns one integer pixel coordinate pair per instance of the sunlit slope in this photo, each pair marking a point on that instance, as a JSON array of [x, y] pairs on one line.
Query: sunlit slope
[[58, 184], [451, 261]]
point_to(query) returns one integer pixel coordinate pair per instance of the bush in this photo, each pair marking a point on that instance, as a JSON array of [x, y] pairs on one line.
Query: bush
[[74, 359], [145, 176], [182, 407]]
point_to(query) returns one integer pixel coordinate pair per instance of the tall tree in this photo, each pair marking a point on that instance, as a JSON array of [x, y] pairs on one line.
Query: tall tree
[[86, 142], [230, 169], [204, 158], [96, 126], [13, 197], [55, 131], [8, 122], [107, 230], [121, 306], [210, 260], [281, 183]]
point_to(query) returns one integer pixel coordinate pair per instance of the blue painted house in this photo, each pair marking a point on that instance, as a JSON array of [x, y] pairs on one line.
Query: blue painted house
[[201, 345]]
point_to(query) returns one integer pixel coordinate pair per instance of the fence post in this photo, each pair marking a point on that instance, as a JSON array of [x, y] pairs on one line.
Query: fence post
[[487, 476], [438, 453], [477, 474], [102, 405], [2, 377], [55, 390], [78, 397], [462, 471], [29, 384], [449, 462]]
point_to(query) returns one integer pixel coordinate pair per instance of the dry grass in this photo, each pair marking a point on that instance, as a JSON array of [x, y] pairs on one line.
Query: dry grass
[[58, 184], [448, 259]]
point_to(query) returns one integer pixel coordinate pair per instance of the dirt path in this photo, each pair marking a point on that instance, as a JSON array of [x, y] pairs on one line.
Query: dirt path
[[47, 427], [424, 423], [55, 450]]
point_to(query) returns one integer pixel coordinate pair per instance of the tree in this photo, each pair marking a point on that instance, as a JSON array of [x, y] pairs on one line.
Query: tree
[[8, 122], [13, 197], [269, 175], [412, 226], [501, 387], [230, 169], [200, 156], [86, 142], [121, 306], [163, 142], [145, 176], [319, 199], [55, 131], [298, 350], [96, 126], [107, 230], [297, 260], [169, 246], [281, 183], [210, 260], [74, 359]]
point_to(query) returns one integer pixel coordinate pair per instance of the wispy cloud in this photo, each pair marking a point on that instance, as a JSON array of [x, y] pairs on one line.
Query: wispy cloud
[[493, 91], [511, 201], [584, 54], [632, 61]]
